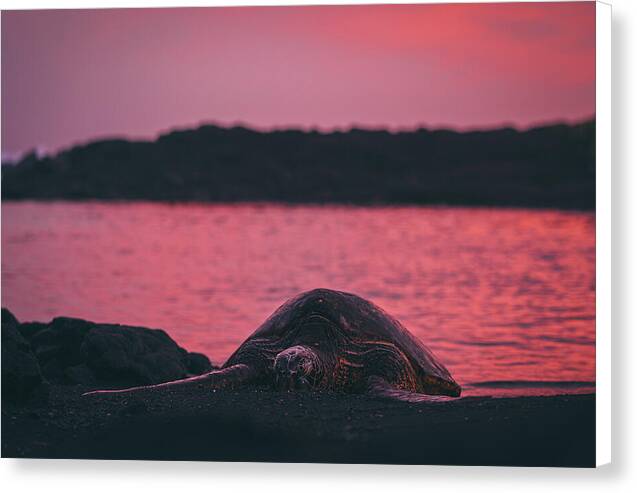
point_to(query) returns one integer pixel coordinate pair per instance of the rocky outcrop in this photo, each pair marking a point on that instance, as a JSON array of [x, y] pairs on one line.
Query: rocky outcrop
[[75, 351], [21, 375]]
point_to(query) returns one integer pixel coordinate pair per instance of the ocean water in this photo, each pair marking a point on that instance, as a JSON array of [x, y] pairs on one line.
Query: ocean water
[[504, 298]]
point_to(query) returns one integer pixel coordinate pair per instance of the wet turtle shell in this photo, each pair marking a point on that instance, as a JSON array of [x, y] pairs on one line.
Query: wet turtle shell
[[343, 326]]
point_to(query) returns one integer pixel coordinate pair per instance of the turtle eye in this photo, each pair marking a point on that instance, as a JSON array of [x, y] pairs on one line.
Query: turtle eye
[[307, 366]]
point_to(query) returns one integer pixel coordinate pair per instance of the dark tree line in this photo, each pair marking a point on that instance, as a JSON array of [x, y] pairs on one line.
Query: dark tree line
[[550, 166]]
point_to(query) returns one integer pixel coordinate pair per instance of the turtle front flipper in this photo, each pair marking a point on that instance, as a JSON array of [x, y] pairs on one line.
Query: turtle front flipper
[[230, 377], [379, 387]]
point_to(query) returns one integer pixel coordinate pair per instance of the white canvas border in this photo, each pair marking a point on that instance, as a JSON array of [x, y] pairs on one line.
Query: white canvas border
[[603, 316]]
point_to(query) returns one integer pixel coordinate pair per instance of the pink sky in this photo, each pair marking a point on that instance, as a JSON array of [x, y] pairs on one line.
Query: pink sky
[[73, 75]]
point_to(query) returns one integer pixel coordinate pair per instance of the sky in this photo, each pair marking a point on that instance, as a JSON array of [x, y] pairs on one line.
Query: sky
[[70, 76]]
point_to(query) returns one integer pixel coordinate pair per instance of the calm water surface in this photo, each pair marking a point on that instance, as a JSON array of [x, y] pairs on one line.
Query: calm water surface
[[505, 298]]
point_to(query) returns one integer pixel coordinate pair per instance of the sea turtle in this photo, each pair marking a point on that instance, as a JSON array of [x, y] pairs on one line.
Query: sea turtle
[[330, 340]]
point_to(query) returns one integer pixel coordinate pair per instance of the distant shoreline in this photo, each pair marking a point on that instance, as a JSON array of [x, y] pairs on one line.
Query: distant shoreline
[[318, 205], [542, 167]]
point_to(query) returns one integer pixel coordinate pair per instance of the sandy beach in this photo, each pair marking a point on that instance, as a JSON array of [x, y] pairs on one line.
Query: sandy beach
[[260, 425]]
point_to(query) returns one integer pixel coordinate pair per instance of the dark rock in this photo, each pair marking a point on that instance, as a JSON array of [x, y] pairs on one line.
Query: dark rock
[[78, 352], [52, 370], [198, 363], [9, 318], [40, 395], [79, 374], [21, 374], [31, 329], [132, 354]]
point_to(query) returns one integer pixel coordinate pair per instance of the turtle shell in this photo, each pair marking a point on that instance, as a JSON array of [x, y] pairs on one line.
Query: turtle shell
[[358, 319]]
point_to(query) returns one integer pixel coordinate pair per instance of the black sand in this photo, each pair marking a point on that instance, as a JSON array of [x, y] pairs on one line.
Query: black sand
[[254, 425]]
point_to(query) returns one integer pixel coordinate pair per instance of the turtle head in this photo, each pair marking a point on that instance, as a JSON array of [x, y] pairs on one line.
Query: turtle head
[[296, 368]]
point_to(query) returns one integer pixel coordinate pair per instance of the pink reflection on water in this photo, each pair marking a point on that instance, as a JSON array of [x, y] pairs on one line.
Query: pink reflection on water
[[499, 295]]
